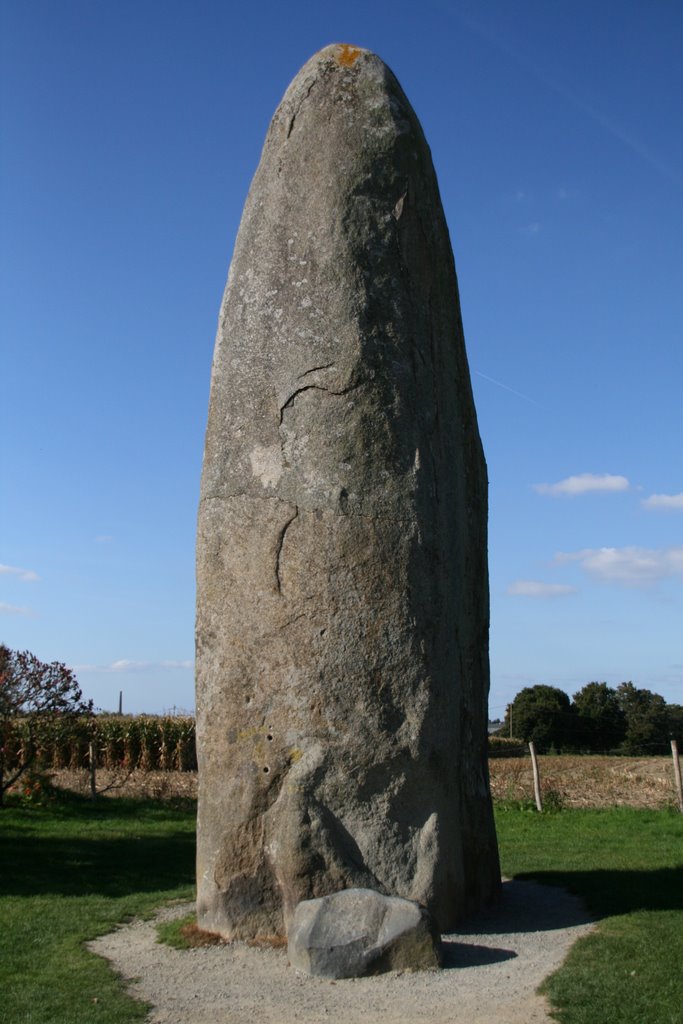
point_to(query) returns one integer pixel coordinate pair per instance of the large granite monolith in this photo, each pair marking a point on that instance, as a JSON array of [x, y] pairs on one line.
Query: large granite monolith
[[342, 605]]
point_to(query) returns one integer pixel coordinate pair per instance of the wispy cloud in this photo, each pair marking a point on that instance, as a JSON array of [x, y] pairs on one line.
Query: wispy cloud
[[584, 483], [128, 665], [12, 609], [535, 588], [25, 575], [104, 538], [629, 566], [668, 502], [530, 230]]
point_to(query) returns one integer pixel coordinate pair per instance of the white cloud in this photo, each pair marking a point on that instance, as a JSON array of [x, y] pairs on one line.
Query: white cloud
[[584, 483], [534, 588], [669, 502], [629, 566], [12, 609], [127, 665], [530, 229], [25, 575], [104, 538]]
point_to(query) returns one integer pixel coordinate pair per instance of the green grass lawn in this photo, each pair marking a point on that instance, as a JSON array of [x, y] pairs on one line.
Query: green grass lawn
[[72, 870], [627, 865]]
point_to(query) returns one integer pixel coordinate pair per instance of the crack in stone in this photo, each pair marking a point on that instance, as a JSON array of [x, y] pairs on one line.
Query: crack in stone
[[278, 550], [325, 366], [294, 115], [308, 511], [313, 387]]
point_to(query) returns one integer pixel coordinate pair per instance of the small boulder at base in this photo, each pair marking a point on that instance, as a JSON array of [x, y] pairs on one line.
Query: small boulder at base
[[360, 931]]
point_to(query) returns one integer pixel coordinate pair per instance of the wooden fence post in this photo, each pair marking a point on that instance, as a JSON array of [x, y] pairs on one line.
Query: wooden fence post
[[92, 769], [677, 774], [537, 777]]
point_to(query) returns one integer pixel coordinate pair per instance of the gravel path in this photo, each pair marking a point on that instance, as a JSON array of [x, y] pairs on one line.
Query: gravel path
[[492, 971]]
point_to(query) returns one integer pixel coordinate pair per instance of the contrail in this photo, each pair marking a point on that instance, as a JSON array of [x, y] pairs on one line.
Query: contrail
[[583, 103], [506, 388]]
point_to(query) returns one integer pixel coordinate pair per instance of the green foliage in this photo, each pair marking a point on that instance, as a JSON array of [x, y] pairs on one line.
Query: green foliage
[[600, 722], [34, 696], [674, 716], [599, 719], [72, 871], [646, 720], [542, 715]]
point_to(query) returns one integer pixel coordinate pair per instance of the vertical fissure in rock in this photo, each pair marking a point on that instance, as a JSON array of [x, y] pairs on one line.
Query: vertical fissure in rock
[[279, 546]]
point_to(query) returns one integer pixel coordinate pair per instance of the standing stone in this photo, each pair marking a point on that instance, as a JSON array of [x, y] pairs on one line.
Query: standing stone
[[342, 606]]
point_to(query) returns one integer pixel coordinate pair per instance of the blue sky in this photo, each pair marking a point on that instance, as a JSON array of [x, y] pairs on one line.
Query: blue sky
[[130, 133]]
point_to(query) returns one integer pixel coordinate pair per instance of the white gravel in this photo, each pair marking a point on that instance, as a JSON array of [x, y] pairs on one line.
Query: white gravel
[[493, 968]]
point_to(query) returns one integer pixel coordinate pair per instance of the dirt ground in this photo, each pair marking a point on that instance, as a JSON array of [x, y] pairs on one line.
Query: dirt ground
[[566, 780], [587, 781]]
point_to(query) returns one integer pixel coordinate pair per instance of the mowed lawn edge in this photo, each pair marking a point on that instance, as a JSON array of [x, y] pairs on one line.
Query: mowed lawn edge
[[627, 866], [74, 870]]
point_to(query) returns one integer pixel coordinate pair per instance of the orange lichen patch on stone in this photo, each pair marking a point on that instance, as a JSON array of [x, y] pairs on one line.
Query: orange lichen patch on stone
[[347, 55]]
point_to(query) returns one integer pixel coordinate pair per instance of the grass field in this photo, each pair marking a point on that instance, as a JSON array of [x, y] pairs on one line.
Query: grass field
[[72, 870], [627, 865]]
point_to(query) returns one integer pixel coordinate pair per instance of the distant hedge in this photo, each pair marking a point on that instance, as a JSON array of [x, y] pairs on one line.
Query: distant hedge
[[145, 742], [503, 746]]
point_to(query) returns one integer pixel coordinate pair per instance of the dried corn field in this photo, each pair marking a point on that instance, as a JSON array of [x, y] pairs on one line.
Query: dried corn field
[[587, 781], [568, 781]]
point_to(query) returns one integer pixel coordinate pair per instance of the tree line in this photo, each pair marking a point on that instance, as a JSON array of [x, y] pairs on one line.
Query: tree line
[[597, 719]]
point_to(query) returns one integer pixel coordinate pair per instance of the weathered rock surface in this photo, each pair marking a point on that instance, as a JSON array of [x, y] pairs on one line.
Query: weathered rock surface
[[342, 589], [359, 931]]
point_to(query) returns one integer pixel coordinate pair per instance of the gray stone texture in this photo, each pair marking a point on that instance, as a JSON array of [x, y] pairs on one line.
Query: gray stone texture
[[342, 589], [359, 931]]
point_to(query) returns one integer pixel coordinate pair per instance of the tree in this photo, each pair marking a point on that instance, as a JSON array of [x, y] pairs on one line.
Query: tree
[[674, 715], [646, 720], [600, 721], [32, 693], [543, 715]]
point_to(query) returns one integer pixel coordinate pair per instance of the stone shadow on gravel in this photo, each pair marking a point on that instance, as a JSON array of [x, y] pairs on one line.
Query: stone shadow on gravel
[[527, 906], [462, 954]]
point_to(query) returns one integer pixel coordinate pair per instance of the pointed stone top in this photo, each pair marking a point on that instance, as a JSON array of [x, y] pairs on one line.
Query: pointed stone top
[[344, 53]]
